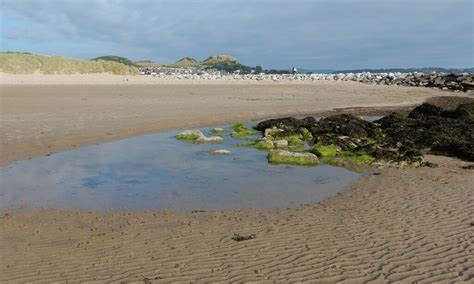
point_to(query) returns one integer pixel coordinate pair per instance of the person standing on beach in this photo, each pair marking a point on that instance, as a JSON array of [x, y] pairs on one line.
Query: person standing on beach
[[294, 70]]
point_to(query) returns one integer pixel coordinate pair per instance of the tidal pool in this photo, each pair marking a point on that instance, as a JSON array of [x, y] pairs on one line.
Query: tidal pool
[[154, 172]]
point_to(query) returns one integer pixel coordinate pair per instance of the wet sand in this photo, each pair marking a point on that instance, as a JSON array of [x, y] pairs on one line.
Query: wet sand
[[40, 119], [412, 225], [405, 225]]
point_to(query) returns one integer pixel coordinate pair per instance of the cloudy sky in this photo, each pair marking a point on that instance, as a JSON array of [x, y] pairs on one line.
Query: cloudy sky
[[334, 34]]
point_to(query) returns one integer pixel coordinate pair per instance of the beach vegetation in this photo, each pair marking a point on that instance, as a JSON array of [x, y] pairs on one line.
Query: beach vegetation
[[25, 63]]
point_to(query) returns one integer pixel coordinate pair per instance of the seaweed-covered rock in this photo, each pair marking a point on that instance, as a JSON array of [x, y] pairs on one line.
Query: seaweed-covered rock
[[345, 125], [241, 130], [394, 139], [292, 158], [196, 135], [282, 128], [465, 110], [190, 135], [425, 111], [429, 129], [286, 124]]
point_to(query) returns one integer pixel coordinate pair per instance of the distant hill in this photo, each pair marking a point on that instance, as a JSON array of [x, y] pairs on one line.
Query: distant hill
[[185, 62], [218, 62], [147, 63], [118, 59], [26, 63], [219, 58]]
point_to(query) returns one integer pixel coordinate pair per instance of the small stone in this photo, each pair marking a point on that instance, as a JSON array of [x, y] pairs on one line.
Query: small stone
[[220, 152], [211, 139]]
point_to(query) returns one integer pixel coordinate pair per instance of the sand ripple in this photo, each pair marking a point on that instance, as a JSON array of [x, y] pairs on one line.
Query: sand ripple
[[405, 226]]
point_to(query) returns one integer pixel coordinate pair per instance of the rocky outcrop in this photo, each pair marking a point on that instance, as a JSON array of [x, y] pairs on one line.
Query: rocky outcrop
[[395, 139]]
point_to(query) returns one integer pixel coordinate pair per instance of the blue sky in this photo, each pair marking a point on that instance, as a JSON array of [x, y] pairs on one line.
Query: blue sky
[[325, 34]]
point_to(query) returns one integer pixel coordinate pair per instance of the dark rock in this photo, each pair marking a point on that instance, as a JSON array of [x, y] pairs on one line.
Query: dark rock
[[287, 123], [425, 110], [465, 110], [345, 125]]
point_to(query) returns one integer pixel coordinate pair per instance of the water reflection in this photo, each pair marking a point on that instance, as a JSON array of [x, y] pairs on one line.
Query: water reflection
[[158, 172]]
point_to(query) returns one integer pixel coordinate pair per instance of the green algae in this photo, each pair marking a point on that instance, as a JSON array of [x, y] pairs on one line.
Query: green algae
[[241, 130], [294, 140], [330, 154], [263, 145], [192, 137], [274, 157], [349, 158], [307, 136], [323, 151]]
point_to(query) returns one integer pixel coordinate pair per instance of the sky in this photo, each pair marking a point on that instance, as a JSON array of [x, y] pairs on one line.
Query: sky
[[317, 34]]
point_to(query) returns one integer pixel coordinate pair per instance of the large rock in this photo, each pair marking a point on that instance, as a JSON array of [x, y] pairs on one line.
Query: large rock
[[287, 124], [425, 110], [292, 158], [196, 135], [345, 125], [190, 135], [429, 129]]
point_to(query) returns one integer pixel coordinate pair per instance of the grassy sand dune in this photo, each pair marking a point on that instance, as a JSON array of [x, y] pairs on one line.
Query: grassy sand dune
[[25, 63]]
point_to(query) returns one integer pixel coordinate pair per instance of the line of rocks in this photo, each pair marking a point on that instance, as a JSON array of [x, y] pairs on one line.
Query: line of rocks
[[453, 82]]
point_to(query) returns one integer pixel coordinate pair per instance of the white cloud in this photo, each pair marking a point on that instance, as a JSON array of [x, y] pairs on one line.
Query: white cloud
[[340, 34]]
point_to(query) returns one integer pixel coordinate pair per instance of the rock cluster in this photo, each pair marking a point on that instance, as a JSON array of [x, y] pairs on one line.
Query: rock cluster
[[196, 135], [454, 82], [392, 140]]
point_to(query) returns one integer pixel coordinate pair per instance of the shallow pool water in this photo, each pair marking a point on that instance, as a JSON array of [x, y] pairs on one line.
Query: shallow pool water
[[153, 172]]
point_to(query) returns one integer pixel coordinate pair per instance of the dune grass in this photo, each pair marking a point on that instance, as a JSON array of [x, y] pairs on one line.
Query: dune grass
[[24, 63]]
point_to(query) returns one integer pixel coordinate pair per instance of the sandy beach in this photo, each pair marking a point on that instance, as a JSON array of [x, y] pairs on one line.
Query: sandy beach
[[52, 116], [391, 225]]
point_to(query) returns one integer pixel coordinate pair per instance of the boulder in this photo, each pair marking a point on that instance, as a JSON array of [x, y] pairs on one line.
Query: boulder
[[287, 124], [190, 135], [292, 158], [425, 110], [196, 135]]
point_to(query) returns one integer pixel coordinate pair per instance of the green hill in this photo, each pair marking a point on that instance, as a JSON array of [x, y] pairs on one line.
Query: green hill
[[25, 63], [225, 63], [218, 62], [118, 59], [147, 63], [185, 62], [220, 58]]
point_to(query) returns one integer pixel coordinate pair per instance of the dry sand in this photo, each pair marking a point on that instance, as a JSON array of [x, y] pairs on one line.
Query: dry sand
[[40, 119], [410, 225]]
